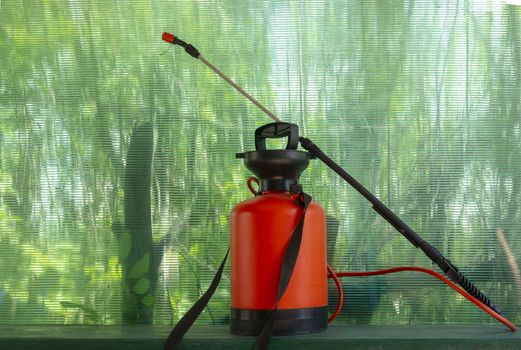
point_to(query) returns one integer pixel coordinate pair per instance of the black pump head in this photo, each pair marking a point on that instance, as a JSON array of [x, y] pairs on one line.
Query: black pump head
[[278, 169]]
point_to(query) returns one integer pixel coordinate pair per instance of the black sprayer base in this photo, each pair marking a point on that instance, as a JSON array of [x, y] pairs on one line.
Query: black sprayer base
[[289, 321]]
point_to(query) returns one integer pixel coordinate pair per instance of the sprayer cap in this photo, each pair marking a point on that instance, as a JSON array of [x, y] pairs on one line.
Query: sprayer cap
[[169, 38], [277, 169]]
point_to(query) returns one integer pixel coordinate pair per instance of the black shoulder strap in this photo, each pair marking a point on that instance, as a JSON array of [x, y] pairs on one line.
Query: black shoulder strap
[[286, 270], [288, 264], [189, 318]]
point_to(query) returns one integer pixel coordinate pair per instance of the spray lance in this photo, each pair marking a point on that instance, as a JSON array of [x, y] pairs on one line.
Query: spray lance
[[281, 129]]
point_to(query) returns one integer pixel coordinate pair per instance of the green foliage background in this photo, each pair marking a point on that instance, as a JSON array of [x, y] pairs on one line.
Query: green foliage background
[[419, 100]]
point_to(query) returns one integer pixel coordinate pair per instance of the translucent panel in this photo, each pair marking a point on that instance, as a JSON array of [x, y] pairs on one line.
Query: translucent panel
[[117, 152]]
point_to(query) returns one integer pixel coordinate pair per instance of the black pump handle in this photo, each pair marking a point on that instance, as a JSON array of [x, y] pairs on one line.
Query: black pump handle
[[276, 131]]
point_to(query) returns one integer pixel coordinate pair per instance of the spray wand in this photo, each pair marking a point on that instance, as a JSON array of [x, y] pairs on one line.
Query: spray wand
[[437, 258]]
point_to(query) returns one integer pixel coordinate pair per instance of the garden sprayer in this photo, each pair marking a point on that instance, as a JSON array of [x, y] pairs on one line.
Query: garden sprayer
[[278, 266]]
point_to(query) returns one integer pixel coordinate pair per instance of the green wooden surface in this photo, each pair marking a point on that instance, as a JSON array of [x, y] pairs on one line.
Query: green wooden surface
[[217, 337]]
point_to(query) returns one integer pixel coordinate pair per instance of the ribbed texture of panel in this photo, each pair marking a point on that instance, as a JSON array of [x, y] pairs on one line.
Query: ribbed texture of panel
[[117, 152]]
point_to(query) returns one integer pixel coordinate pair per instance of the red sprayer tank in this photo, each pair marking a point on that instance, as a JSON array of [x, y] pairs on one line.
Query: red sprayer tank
[[261, 228]]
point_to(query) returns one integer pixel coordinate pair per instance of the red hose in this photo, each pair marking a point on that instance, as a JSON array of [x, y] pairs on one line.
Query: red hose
[[331, 274], [442, 278]]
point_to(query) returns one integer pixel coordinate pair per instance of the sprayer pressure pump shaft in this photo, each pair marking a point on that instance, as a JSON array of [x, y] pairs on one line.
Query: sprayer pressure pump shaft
[[436, 257]]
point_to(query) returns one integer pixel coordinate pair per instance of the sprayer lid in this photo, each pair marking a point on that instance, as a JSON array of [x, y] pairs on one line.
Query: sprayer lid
[[276, 169]]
